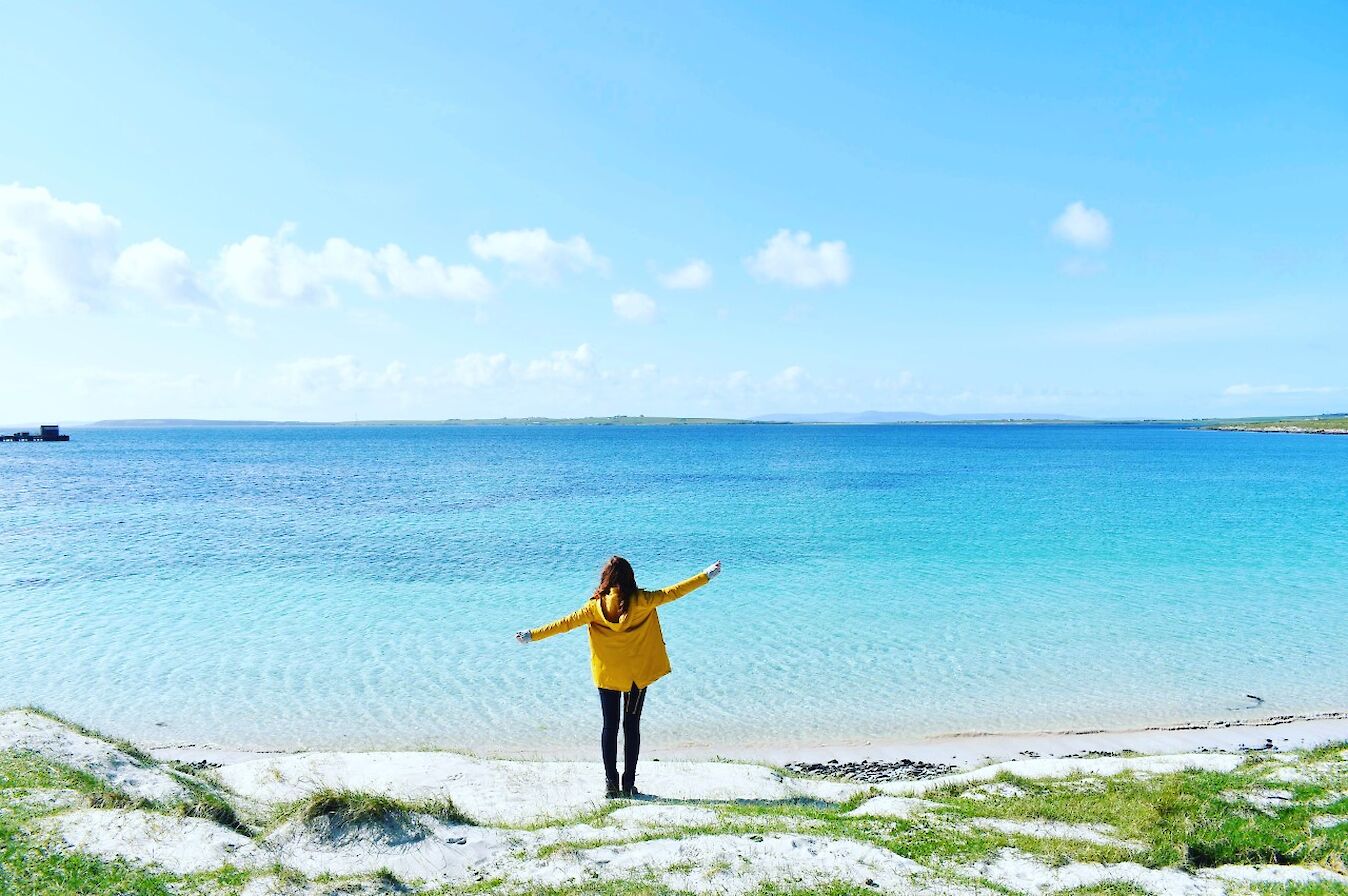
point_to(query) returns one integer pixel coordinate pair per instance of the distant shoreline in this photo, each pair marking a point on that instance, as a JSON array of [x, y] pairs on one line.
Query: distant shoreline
[[619, 420], [1322, 424], [1329, 426]]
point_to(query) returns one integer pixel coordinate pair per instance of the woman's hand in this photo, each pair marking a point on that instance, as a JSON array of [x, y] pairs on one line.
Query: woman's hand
[[524, 637], [713, 571]]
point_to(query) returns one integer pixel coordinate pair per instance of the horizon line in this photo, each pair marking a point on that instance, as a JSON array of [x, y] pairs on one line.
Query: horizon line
[[839, 418]]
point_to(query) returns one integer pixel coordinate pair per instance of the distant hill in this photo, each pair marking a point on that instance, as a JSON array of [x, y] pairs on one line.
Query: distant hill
[[846, 418], [871, 417], [619, 420], [1335, 424], [173, 421]]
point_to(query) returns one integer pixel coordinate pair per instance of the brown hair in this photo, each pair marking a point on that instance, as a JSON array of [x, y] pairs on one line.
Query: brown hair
[[617, 573]]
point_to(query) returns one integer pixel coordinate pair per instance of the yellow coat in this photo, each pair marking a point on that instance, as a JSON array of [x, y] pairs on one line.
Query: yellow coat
[[632, 649]]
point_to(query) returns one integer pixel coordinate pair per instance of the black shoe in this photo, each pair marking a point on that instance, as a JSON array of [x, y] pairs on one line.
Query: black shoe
[[631, 793], [629, 786], [611, 789]]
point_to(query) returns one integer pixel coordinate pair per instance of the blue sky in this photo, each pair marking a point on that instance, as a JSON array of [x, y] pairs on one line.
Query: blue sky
[[323, 211]]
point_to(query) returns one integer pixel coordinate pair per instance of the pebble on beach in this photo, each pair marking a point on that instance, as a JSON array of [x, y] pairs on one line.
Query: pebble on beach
[[873, 771]]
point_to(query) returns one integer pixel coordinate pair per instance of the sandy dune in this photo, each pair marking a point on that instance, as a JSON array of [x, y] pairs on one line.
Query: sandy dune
[[537, 824]]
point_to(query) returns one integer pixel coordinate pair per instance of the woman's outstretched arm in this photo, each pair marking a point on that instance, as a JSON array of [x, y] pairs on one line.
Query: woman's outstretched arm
[[674, 592], [581, 617]]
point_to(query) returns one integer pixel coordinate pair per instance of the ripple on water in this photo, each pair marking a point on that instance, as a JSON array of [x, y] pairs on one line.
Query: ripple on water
[[358, 586]]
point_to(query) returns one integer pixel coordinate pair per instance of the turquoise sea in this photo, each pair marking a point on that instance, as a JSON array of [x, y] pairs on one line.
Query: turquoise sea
[[358, 586]]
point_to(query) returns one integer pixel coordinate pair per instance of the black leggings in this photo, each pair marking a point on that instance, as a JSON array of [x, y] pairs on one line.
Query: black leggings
[[632, 702]]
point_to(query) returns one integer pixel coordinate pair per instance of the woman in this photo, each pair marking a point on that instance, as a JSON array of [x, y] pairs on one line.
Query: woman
[[627, 653]]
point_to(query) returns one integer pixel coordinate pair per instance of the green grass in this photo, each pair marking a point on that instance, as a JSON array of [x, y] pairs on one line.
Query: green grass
[[206, 802], [653, 888], [1188, 819], [1323, 888], [130, 749], [203, 800], [1330, 752], [354, 807], [24, 771], [1301, 424], [27, 868], [1109, 888]]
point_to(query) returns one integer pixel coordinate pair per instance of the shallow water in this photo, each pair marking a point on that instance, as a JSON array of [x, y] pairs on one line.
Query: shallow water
[[358, 586]]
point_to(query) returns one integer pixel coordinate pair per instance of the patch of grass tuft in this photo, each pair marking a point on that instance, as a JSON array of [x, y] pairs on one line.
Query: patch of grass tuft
[[386, 878], [1327, 752], [1319, 888], [31, 869], [20, 769], [122, 744], [206, 802], [352, 807], [1108, 888], [28, 869]]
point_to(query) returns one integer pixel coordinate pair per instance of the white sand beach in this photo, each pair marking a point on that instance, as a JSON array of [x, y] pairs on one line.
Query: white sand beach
[[699, 826]]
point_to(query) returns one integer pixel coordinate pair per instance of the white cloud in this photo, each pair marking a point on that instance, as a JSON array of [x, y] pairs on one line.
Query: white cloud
[[159, 271], [899, 382], [1281, 389], [148, 384], [479, 369], [696, 274], [789, 258], [536, 254], [338, 373], [311, 381], [634, 306], [1085, 228], [54, 255], [63, 256], [564, 366], [240, 325], [574, 382], [58, 256], [393, 374], [274, 271], [789, 379], [428, 278]]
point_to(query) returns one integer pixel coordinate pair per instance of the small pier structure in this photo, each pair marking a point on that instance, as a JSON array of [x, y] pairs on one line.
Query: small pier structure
[[48, 432]]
